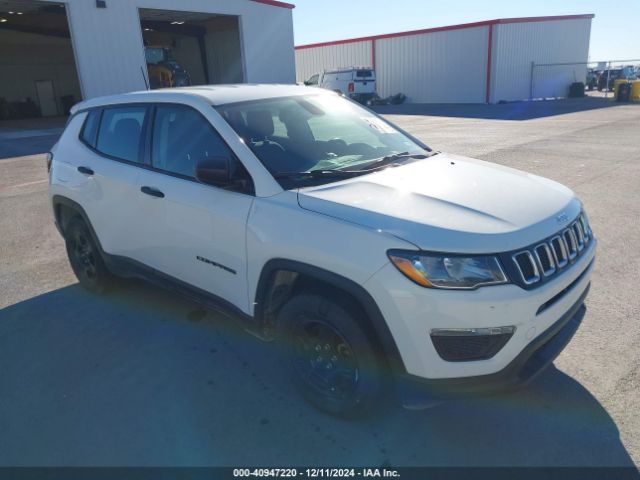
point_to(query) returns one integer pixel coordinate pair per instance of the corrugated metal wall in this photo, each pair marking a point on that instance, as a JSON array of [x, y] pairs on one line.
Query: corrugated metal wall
[[516, 45], [449, 65], [439, 67], [315, 60], [109, 50]]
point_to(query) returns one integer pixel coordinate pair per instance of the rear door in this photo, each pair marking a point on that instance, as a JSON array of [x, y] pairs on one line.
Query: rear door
[[364, 80], [107, 165], [195, 233]]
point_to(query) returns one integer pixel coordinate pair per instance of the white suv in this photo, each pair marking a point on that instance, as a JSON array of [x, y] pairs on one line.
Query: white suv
[[369, 256]]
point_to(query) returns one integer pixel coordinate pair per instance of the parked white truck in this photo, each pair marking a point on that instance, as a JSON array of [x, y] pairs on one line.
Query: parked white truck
[[357, 83]]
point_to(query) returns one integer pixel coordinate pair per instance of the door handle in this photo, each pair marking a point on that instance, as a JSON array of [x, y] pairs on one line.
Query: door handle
[[154, 192], [85, 170]]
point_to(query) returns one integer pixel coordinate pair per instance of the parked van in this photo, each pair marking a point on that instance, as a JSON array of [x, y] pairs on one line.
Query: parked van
[[358, 83]]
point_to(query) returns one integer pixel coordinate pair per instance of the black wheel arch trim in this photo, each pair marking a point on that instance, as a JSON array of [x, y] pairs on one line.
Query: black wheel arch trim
[[58, 200], [358, 292]]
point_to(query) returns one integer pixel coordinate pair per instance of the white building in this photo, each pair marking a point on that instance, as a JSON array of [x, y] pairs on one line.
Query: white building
[[78, 49], [482, 62]]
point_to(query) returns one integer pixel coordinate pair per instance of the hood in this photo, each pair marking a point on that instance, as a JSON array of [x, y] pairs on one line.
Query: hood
[[450, 203]]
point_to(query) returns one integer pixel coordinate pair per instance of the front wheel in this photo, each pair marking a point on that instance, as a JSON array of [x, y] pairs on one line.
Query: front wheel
[[85, 258], [330, 359]]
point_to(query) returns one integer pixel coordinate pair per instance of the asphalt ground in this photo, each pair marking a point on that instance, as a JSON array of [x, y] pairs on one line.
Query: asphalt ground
[[139, 377]]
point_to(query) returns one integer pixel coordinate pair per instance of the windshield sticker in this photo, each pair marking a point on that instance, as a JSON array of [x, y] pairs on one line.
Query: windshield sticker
[[378, 124]]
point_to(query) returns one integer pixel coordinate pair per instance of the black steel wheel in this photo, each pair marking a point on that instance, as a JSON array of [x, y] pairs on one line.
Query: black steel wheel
[[324, 359], [85, 258], [330, 359]]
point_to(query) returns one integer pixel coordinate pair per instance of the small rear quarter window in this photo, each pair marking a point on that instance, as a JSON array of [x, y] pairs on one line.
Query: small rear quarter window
[[90, 128]]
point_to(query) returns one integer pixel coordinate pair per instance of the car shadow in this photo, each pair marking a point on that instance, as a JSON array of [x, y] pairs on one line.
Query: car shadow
[[503, 111], [139, 377]]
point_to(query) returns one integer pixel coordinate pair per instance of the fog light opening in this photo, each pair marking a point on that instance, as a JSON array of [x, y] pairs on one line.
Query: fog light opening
[[469, 344]]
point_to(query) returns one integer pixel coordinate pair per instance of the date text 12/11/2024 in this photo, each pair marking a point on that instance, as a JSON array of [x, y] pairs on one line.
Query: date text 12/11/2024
[[316, 473]]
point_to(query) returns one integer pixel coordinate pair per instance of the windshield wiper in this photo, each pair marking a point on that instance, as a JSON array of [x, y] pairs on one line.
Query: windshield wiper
[[320, 173], [373, 164]]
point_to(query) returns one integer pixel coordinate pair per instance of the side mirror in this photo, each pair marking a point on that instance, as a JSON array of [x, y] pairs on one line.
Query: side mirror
[[214, 171], [307, 82]]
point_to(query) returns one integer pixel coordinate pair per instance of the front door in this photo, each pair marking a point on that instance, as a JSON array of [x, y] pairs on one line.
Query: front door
[[197, 232]]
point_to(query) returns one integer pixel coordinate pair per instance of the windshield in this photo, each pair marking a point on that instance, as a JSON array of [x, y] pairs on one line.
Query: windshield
[[327, 134]]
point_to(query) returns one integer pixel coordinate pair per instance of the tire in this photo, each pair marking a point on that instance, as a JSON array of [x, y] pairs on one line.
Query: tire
[[328, 356], [85, 258]]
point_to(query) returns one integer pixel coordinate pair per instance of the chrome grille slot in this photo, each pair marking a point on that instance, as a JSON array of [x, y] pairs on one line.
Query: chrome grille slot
[[545, 259], [571, 242], [527, 267], [577, 230], [585, 228], [559, 249]]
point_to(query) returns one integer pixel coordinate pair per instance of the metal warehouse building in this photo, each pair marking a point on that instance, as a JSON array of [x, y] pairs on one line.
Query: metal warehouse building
[[55, 53], [482, 62]]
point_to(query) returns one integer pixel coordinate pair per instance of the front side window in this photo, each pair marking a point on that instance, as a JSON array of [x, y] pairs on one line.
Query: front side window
[[182, 138], [312, 134], [120, 134]]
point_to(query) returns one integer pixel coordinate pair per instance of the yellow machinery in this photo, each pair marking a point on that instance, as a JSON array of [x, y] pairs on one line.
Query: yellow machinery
[[635, 91], [634, 95], [163, 71]]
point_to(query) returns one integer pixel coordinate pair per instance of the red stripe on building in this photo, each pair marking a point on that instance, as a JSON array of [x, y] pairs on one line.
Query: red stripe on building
[[275, 3], [447, 28]]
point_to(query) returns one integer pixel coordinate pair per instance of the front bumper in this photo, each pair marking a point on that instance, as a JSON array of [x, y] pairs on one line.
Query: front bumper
[[412, 312], [418, 392]]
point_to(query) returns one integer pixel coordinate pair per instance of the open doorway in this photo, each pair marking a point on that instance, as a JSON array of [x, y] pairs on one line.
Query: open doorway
[[39, 74], [191, 48]]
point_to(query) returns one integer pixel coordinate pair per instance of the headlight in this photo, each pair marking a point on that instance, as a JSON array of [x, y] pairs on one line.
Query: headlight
[[436, 270]]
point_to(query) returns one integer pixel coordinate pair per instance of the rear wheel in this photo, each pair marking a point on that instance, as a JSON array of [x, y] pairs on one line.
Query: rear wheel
[[85, 258], [330, 359]]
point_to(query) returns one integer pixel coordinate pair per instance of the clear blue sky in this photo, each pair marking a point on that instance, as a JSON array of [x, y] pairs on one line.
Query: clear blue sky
[[615, 32]]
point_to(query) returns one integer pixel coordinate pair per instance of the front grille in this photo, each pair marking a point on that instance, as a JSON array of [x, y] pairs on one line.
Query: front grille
[[535, 265]]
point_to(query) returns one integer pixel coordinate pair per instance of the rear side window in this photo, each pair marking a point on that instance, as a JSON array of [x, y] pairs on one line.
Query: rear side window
[[121, 132], [90, 128], [181, 138]]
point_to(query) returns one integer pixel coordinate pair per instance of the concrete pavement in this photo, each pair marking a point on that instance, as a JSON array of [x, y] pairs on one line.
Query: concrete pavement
[[140, 377]]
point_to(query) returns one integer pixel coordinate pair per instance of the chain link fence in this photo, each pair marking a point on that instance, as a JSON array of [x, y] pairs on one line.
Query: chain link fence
[[553, 80]]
